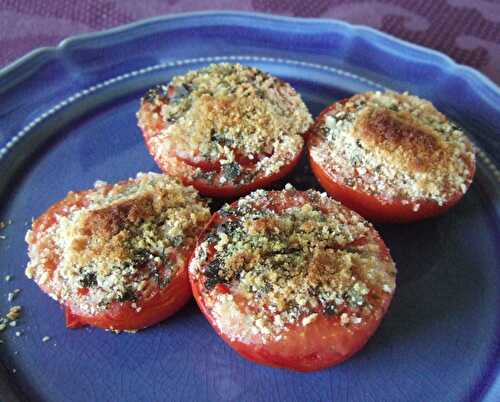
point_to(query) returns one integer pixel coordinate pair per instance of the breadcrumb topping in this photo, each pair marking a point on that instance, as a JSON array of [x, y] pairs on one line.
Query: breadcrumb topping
[[394, 146], [118, 242], [243, 120], [10, 318], [287, 257]]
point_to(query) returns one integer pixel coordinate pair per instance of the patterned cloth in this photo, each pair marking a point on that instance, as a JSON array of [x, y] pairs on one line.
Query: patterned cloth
[[468, 31]]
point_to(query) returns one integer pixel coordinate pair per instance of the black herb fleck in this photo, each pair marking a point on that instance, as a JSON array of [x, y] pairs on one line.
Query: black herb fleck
[[161, 274], [228, 227], [329, 309], [128, 295], [141, 257], [220, 138], [158, 91], [231, 170], [89, 280], [212, 276]]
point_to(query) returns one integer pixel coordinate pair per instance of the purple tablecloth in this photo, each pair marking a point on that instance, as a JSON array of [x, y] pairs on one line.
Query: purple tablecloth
[[468, 31]]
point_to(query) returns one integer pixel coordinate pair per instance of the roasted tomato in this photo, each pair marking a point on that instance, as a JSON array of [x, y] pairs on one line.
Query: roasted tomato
[[391, 157], [227, 129], [116, 256], [292, 279]]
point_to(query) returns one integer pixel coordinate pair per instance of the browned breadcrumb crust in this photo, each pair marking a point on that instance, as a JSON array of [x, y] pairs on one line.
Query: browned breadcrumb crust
[[289, 265], [394, 146], [10, 319], [116, 242], [223, 113]]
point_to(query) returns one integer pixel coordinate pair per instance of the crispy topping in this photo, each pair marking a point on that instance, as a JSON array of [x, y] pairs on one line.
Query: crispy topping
[[14, 313], [231, 114], [401, 139], [10, 318], [395, 146], [290, 256], [115, 242]]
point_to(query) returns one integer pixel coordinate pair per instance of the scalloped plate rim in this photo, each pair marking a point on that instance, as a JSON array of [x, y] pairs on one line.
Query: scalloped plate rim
[[381, 40], [359, 29]]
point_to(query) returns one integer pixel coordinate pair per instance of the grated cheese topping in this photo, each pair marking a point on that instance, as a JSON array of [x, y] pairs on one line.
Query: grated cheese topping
[[115, 243], [395, 146], [244, 121], [287, 257]]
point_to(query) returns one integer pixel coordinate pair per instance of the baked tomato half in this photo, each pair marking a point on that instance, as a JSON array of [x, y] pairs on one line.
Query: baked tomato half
[[227, 129], [116, 256], [292, 279], [391, 157]]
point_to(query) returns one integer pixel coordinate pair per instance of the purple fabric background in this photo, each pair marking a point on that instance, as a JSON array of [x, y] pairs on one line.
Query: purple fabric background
[[468, 31]]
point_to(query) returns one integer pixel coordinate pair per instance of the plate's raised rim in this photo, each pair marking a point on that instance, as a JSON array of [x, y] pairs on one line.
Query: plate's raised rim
[[480, 84], [437, 58]]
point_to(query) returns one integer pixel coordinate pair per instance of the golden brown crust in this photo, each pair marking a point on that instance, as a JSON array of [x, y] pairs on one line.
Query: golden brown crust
[[222, 113], [115, 242], [291, 255], [402, 140], [394, 146]]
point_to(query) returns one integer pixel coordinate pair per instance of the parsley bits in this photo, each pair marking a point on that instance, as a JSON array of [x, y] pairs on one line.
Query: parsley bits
[[226, 128], [286, 275], [112, 254]]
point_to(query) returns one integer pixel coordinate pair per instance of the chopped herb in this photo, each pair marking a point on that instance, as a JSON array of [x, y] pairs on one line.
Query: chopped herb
[[329, 309], [160, 90], [89, 280], [212, 276], [128, 295], [231, 170]]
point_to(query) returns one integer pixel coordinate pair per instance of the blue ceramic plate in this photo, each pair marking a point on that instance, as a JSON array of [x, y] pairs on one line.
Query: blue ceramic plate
[[67, 118]]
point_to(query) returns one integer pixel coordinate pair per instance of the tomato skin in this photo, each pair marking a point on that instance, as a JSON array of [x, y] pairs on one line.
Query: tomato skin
[[72, 320], [370, 206], [231, 191], [118, 316], [316, 346], [329, 342], [208, 189], [121, 316]]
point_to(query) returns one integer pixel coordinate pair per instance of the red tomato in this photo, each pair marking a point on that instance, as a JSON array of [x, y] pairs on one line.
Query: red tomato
[[149, 306], [377, 207], [225, 129], [229, 191], [122, 316], [326, 340], [212, 187]]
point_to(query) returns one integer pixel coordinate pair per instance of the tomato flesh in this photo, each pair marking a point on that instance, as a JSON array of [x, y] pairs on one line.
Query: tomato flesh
[[317, 346], [375, 209], [372, 207], [127, 315], [213, 187], [321, 344], [230, 190], [122, 316]]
